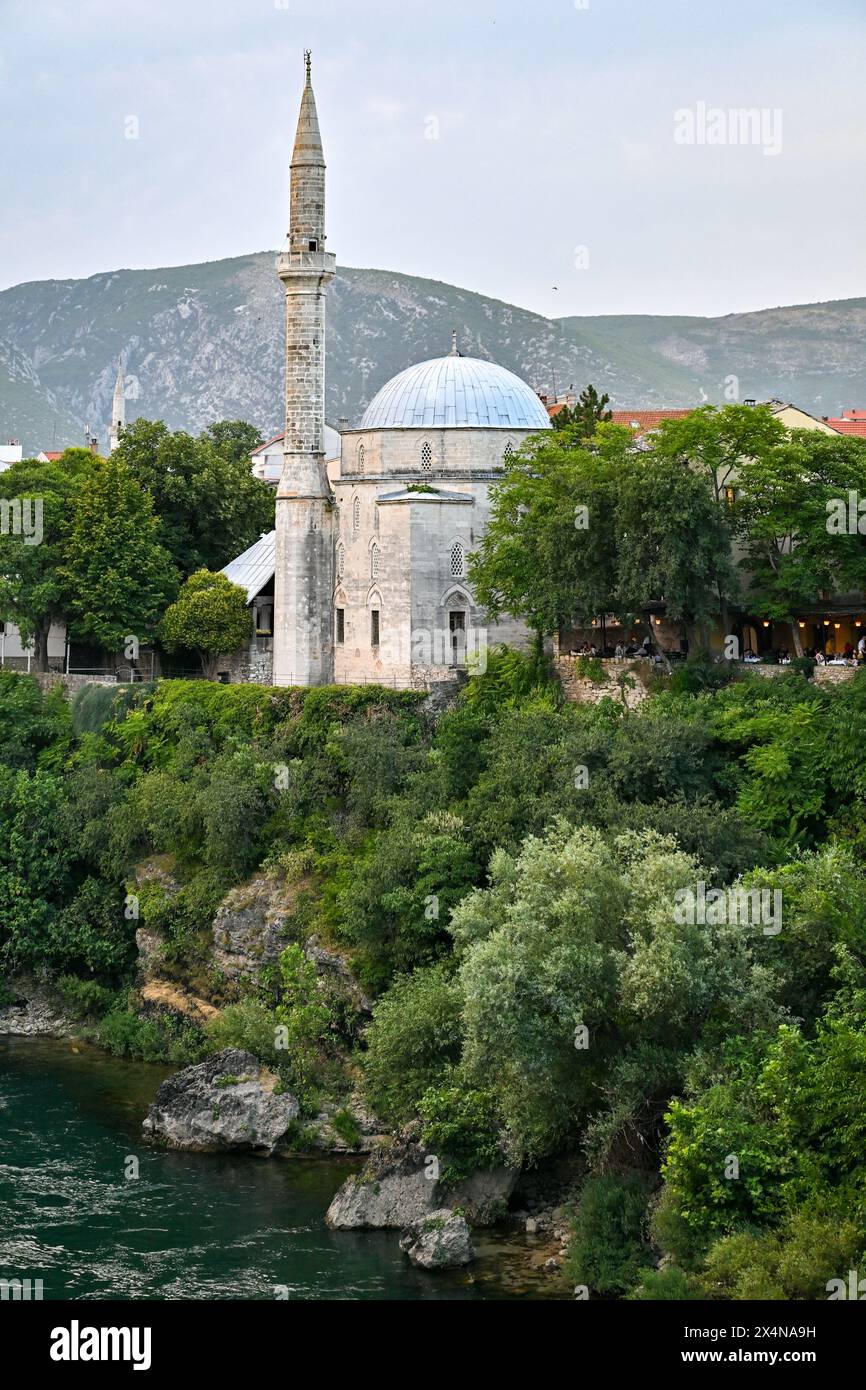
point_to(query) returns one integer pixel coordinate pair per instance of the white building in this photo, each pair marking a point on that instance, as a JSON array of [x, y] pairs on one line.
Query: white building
[[10, 452]]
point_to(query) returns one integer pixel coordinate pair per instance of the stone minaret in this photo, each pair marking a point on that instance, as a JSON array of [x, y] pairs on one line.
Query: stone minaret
[[304, 578], [118, 411]]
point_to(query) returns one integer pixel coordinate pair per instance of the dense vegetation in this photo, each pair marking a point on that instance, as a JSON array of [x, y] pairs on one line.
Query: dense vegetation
[[504, 883], [106, 544]]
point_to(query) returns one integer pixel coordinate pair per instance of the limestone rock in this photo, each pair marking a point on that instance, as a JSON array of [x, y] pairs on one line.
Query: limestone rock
[[348, 1128], [439, 1241], [336, 978], [229, 1101], [396, 1188], [249, 930], [34, 1012], [156, 872]]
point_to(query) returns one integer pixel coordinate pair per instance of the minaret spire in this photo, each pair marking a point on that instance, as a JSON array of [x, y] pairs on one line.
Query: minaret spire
[[118, 409], [303, 582]]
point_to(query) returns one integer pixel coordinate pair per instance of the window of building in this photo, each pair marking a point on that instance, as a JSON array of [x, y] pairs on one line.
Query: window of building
[[374, 627], [457, 628], [341, 626], [341, 560], [508, 452], [314, 246], [426, 457], [356, 515], [360, 458], [458, 561], [730, 495], [375, 561]]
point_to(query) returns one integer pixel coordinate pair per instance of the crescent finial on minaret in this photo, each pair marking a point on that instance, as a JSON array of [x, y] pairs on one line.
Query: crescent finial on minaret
[[308, 59]]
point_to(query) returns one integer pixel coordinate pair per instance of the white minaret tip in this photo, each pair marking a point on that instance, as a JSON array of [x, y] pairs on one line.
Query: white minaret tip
[[118, 409]]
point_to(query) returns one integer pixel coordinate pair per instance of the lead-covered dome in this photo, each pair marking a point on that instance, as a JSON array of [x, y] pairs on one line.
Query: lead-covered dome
[[455, 392]]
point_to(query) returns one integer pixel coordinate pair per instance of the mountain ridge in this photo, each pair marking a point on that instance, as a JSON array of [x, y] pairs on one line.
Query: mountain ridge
[[204, 341]]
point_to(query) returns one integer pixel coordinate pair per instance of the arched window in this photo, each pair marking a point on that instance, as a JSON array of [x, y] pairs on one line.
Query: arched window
[[426, 457], [356, 515], [508, 452], [375, 561], [360, 458], [341, 560], [458, 561]]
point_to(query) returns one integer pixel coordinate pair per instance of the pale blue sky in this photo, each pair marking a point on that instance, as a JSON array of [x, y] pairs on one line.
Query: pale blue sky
[[555, 132]]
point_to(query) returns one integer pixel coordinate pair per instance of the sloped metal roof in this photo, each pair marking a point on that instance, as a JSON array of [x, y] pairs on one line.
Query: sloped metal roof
[[456, 392], [255, 567]]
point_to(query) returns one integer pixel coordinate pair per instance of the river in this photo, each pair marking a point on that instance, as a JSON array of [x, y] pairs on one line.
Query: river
[[188, 1226]]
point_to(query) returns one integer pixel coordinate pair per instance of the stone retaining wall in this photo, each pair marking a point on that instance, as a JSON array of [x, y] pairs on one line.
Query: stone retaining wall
[[588, 692]]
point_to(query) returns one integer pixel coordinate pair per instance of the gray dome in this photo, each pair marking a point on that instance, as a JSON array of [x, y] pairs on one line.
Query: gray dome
[[454, 392]]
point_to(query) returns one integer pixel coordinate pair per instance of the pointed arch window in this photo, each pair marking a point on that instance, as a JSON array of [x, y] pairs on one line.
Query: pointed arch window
[[375, 561], [508, 452], [356, 516], [458, 561], [426, 457], [360, 458]]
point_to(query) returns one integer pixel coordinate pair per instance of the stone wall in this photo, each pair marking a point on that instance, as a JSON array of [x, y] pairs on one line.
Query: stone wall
[[71, 684], [588, 692], [582, 691]]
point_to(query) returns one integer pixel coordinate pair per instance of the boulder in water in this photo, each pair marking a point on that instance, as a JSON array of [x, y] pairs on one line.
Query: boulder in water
[[229, 1101], [439, 1241]]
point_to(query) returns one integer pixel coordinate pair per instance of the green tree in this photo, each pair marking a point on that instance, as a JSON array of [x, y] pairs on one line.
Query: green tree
[[209, 616], [34, 592], [784, 516], [118, 575], [548, 553], [588, 412], [210, 507], [672, 541], [234, 440]]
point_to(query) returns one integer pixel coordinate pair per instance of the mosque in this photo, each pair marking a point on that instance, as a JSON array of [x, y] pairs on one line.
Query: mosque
[[366, 571]]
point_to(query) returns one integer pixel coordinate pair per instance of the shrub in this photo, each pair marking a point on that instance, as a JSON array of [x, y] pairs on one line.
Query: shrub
[[85, 998], [609, 1245], [461, 1126], [670, 1283], [412, 1042], [160, 1038]]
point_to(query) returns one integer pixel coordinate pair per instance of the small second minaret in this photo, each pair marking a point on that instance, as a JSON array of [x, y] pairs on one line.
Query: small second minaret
[[304, 579], [118, 411]]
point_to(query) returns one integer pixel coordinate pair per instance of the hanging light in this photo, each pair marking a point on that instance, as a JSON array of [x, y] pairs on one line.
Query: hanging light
[[837, 626], [801, 624], [766, 624]]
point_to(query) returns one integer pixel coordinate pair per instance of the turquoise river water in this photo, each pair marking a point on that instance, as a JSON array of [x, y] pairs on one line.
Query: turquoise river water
[[190, 1226]]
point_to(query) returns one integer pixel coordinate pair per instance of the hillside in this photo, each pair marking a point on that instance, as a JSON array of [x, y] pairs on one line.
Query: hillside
[[203, 342]]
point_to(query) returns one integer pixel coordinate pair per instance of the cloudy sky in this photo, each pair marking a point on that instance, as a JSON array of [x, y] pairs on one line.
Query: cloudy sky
[[527, 149]]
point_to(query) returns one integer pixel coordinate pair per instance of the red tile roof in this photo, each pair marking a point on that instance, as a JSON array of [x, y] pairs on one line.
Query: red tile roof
[[849, 426], [638, 420]]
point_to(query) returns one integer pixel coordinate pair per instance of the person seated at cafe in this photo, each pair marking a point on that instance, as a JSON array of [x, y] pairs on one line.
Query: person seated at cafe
[[619, 652]]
